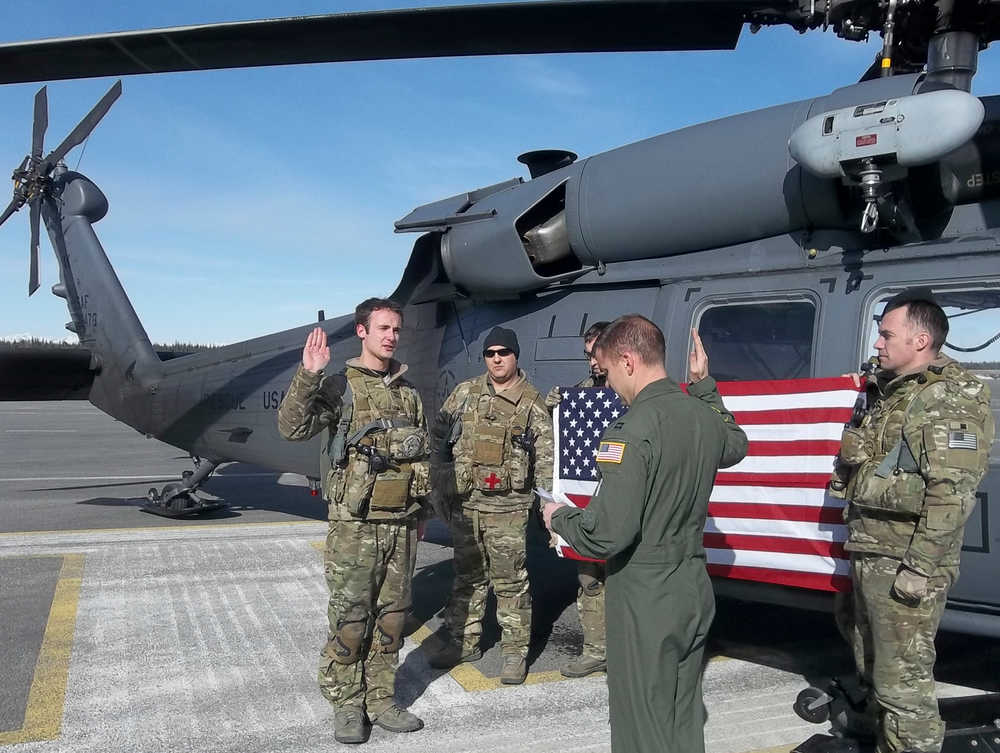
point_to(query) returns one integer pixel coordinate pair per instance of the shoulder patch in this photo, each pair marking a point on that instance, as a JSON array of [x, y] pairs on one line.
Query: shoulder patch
[[610, 452], [962, 439]]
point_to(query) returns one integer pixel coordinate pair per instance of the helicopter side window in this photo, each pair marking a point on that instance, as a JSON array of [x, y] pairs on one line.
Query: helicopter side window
[[767, 340], [973, 336]]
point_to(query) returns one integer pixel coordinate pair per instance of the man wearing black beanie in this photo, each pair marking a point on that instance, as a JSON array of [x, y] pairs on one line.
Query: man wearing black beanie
[[499, 433]]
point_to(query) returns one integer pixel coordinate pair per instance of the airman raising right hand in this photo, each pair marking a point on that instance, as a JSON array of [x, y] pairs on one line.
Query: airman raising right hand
[[316, 353]]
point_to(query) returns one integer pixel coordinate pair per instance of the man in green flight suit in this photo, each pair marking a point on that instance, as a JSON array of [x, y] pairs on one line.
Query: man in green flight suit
[[909, 473], [499, 433], [591, 575], [375, 450], [658, 465]]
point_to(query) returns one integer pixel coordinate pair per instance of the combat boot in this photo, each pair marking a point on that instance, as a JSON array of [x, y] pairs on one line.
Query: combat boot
[[446, 652], [515, 669], [396, 719], [350, 726], [584, 665]]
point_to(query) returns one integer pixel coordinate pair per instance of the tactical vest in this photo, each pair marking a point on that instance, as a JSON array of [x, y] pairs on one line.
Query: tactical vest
[[886, 477], [488, 457], [374, 449]]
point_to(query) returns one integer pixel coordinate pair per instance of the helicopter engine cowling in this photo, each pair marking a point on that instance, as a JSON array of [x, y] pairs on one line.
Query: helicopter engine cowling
[[904, 131], [697, 188]]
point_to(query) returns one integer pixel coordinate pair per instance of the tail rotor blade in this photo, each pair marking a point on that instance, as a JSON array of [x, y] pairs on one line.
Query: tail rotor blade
[[85, 126], [41, 122], [36, 212]]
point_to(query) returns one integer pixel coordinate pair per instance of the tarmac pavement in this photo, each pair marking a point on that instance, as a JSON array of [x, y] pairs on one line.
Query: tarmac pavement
[[122, 631]]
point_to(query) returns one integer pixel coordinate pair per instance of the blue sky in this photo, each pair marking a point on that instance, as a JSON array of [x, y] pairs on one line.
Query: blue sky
[[242, 201]]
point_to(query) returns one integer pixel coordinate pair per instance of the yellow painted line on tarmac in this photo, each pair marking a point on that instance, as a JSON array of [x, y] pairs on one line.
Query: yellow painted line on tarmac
[[778, 749], [474, 681], [147, 529], [720, 658], [47, 696]]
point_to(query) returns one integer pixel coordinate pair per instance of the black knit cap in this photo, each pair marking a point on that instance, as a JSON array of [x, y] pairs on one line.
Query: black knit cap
[[910, 295], [503, 338]]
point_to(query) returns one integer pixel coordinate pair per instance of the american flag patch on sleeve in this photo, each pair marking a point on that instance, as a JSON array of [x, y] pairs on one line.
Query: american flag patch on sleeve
[[962, 440], [610, 452]]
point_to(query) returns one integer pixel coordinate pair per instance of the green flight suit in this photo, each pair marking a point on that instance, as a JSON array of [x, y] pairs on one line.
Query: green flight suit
[[658, 465]]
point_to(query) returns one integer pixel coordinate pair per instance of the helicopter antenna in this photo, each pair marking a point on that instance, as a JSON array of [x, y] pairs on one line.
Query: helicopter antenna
[[32, 178], [82, 152]]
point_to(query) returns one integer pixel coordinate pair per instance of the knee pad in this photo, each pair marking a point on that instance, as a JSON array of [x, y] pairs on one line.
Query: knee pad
[[390, 631], [345, 647]]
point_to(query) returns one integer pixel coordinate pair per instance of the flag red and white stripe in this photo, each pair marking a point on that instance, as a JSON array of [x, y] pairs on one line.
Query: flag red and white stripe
[[769, 517]]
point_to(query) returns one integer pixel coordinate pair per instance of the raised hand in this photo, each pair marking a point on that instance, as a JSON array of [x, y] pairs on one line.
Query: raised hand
[[697, 360], [316, 353]]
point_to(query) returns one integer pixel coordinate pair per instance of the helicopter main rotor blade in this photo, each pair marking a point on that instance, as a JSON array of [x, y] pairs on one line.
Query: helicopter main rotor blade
[[84, 127], [36, 213], [40, 123], [14, 205], [488, 29]]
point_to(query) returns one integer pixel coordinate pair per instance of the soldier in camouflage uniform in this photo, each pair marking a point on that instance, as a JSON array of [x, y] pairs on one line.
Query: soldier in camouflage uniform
[[499, 433], [375, 451], [591, 575], [909, 473]]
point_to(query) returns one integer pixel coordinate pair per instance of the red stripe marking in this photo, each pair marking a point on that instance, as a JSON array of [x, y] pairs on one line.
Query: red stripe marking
[[783, 480], [580, 500], [786, 386], [815, 581], [795, 513], [570, 554], [777, 544], [828, 447], [794, 416]]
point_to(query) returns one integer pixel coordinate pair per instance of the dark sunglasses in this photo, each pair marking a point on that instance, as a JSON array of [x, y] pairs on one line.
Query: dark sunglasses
[[502, 352]]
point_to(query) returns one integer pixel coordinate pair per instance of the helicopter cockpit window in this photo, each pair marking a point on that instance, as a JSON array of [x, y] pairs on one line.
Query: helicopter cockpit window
[[973, 336], [767, 340]]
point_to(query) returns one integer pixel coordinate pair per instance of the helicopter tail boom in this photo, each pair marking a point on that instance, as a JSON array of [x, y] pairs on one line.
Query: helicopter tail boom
[[122, 358]]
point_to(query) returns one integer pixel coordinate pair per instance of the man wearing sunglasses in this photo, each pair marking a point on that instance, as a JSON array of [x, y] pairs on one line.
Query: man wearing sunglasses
[[498, 432], [591, 575]]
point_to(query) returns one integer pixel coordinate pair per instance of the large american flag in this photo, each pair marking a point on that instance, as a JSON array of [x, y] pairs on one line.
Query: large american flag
[[769, 517]]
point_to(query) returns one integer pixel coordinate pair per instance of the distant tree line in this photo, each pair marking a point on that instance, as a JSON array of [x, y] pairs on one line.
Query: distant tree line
[[36, 343]]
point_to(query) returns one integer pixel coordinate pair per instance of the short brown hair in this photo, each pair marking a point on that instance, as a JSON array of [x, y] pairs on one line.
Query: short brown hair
[[595, 330], [363, 313], [924, 316], [634, 333]]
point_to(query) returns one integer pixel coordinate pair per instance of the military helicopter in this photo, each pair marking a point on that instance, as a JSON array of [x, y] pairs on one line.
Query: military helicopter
[[837, 202]]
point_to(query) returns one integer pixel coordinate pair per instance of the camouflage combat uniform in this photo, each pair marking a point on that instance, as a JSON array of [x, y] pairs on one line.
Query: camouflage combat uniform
[[913, 468], [493, 478], [372, 540], [591, 575]]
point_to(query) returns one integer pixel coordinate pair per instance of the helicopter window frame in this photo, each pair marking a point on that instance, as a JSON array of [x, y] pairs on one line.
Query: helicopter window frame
[[711, 302], [877, 296]]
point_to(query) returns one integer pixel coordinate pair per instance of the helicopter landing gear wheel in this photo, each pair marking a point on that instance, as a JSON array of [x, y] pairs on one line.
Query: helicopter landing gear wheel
[[812, 705], [179, 499]]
